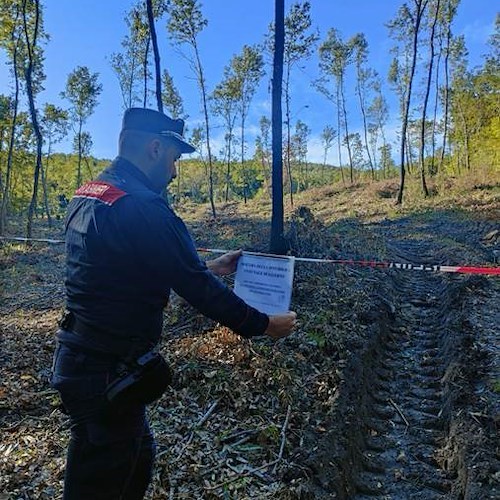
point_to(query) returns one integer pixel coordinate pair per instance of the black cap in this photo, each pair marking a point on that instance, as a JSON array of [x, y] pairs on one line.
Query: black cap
[[149, 120]]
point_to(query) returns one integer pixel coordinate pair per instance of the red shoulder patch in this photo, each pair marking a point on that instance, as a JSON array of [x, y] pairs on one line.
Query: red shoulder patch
[[102, 191]]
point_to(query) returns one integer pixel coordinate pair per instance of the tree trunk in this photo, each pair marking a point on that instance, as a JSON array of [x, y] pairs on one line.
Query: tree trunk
[[277, 244], [131, 85], [466, 139], [152, 31], [145, 74], [288, 135], [264, 166], [45, 176], [201, 80], [31, 46], [384, 144], [365, 128], [79, 173], [347, 140], [5, 198], [324, 166], [434, 119], [446, 96], [426, 101], [245, 179], [420, 10], [339, 138], [10, 153], [409, 152], [89, 168], [46, 195], [228, 171]]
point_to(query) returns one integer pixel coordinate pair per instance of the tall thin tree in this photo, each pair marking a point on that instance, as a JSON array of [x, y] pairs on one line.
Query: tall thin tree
[[54, 125], [300, 41], [82, 90], [432, 54], [248, 70], [378, 115], [32, 66], [11, 41], [171, 97], [156, 52], [132, 64], [277, 243], [449, 12], [335, 55], [363, 75], [408, 21], [327, 137], [185, 23], [225, 100]]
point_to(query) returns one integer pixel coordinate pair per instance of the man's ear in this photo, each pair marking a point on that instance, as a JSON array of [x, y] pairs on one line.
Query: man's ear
[[154, 149]]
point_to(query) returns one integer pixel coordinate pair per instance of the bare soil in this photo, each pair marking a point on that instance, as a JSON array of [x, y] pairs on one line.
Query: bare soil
[[389, 388]]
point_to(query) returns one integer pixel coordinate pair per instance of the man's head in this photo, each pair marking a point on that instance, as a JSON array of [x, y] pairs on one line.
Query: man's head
[[153, 142]]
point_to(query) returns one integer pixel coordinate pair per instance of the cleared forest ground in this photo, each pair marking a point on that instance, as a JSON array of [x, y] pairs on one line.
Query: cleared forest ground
[[389, 388]]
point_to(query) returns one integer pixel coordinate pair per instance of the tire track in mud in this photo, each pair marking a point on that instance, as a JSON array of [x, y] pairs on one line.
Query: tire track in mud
[[404, 423], [408, 397]]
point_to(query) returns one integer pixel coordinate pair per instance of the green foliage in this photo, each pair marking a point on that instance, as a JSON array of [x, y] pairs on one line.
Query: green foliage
[[335, 55], [60, 176], [300, 41], [247, 69], [171, 97], [185, 21], [270, 434], [475, 107], [54, 124], [318, 337], [6, 105], [300, 38], [473, 117], [82, 91], [131, 66]]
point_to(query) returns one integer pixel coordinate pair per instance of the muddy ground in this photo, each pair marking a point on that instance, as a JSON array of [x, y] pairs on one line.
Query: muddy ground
[[389, 388]]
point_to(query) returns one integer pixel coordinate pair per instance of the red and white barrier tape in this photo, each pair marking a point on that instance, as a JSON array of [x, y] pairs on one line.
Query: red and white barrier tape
[[384, 265], [489, 270]]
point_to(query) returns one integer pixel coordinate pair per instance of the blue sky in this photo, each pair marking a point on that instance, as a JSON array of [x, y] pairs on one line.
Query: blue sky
[[87, 32]]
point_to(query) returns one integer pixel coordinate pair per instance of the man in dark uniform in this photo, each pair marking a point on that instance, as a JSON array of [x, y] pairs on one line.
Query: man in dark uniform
[[125, 250]]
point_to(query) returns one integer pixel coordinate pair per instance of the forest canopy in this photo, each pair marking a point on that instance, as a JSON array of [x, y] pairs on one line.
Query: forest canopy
[[447, 116]]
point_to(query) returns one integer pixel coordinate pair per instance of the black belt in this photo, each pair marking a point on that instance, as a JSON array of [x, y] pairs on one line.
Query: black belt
[[98, 340]]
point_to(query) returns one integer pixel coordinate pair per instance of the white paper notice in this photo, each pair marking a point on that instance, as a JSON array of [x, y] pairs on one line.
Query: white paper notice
[[265, 282]]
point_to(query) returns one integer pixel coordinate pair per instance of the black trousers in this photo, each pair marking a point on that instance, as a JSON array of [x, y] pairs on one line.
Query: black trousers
[[110, 454]]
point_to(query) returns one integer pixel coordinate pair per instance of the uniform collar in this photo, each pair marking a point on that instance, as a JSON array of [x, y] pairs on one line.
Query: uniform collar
[[121, 163]]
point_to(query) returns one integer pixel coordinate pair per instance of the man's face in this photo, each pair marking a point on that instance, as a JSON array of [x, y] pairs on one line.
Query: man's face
[[172, 154], [164, 168]]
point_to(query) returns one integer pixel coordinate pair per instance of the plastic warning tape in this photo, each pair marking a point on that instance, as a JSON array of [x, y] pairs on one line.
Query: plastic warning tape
[[489, 270], [383, 265]]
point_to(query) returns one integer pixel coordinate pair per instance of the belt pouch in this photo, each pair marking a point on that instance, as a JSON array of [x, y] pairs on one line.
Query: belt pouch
[[143, 381]]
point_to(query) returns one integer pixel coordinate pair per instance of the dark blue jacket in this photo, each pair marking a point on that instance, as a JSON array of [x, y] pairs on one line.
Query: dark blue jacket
[[126, 249]]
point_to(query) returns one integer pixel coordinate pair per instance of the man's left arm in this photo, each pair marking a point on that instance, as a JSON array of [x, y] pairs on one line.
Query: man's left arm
[[166, 248]]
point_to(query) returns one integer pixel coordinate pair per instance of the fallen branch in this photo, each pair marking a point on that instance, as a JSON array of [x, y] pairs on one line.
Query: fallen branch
[[207, 414], [240, 476], [283, 437], [198, 424]]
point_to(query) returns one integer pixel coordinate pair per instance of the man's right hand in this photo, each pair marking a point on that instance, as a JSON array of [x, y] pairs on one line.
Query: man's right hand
[[281, 325]]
